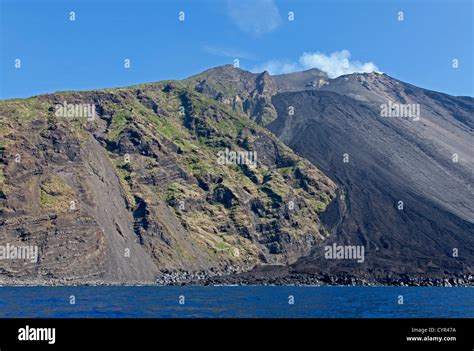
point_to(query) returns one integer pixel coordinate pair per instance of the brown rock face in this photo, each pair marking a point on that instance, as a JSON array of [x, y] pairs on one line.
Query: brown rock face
[[136, 189]]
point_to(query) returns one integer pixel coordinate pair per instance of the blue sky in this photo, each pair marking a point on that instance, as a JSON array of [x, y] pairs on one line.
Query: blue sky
[[89, 53]]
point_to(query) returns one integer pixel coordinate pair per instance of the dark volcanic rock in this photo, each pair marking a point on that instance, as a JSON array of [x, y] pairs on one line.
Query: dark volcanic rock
[[389, 160]]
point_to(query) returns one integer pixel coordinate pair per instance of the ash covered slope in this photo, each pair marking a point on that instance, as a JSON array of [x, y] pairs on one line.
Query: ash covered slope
[[390, 159], [138, 193]]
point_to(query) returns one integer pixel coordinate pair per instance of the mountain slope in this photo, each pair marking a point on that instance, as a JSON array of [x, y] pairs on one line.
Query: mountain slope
[[138, 193], [426, 163]]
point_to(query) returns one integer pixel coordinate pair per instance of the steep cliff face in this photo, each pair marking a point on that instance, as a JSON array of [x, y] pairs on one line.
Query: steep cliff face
[[139, 189]]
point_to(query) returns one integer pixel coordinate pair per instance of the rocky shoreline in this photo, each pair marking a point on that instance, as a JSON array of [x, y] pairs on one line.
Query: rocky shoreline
[[347, 281], [186, 278], [317, 280]]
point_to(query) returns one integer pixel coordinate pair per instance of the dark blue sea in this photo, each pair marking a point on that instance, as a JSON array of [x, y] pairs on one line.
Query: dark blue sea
[[238, 301]]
